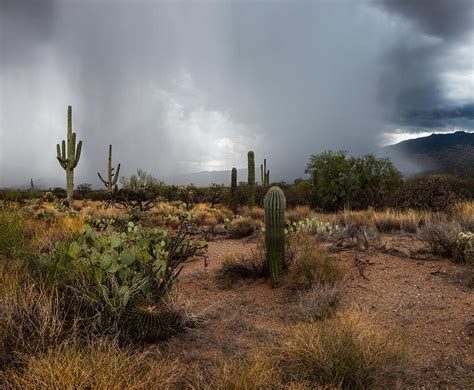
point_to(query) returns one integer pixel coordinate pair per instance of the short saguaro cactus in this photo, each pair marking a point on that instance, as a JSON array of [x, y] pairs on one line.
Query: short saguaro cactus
[[275, 204]]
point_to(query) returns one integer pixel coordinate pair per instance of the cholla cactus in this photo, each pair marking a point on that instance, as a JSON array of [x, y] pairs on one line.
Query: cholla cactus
[[111, 176], [251, 179], [68, 159], [275, 204], [465, 247]]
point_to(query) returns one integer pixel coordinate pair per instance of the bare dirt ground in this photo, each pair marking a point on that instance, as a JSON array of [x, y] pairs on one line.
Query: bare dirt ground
[[420, 298]]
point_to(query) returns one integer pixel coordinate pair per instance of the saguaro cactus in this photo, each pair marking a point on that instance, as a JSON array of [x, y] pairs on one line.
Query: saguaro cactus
[[70, 158], [233, 183], [32, 185], [251, 179], [275, 204], [264, 174], [111, 176]]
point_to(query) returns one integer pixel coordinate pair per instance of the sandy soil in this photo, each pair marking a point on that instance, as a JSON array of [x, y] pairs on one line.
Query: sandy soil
[[420, 298]]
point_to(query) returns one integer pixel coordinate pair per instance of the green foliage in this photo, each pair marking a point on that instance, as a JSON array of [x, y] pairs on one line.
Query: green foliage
[[68, 159], [341, 181], [187, 195], [111, 176], [108, 271], [275, 231], [251, 180]]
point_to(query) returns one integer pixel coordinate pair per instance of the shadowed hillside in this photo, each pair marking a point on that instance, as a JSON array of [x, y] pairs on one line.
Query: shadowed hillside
[[435, 154]]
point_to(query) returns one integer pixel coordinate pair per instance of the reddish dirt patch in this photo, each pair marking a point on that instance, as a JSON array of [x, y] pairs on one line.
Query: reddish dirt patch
[[418, 297]]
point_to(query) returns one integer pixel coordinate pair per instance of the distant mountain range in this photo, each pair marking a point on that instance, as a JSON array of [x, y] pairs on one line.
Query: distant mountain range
[[436, 154]]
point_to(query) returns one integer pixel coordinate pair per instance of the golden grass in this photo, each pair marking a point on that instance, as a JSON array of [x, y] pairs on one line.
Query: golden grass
[[298, 213], [100, 365], [31, 316], [346, 350], [312, 266]]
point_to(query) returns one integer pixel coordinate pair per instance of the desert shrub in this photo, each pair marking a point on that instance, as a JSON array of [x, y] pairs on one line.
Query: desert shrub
[[12, 240], [242, 227], [441, 236], [434, 193], [297, 214], [465, 276], [319, 302], [312, 266], [100, 365], [346, 350], [31, 316]]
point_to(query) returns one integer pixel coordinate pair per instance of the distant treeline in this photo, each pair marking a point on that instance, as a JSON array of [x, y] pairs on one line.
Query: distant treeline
[[337, 181]]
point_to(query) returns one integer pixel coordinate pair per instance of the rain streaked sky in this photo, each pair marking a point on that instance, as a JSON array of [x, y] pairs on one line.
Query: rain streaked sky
[[183, 86]]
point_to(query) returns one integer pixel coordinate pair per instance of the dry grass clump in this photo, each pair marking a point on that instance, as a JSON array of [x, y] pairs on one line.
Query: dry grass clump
[[312, 266], [242, 227], [12, 239], [42, 237], [394, 220], [256, 213], [31, 318], [242, 267], [258, 372], [319, 302], [100, 365], [465, 276], [346, 350], [298, 213], [464, 214]]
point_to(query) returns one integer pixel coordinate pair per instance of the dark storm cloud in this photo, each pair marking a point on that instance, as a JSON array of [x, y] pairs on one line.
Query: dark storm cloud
[[183, 86], [447, 19], [412, 81]]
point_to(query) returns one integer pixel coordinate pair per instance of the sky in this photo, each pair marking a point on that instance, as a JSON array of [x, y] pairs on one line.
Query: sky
[[186, 86]]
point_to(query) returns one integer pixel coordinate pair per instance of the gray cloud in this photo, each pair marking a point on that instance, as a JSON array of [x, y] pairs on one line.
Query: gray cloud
[[183, 86]]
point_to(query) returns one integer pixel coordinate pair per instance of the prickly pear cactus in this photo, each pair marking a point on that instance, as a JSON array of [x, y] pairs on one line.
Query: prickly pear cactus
[[251, 179], [275, 204], [68, 159]]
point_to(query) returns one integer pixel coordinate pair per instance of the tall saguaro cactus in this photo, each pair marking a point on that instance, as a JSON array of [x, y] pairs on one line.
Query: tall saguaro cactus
[[233, 183], [68, 159], [111, 176], [264, 174], [275, 204], [233, 189], [251, 179]]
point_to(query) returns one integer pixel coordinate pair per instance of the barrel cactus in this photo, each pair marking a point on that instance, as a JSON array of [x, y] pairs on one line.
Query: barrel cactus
[[275, 204], [69, 158], [251, 179]]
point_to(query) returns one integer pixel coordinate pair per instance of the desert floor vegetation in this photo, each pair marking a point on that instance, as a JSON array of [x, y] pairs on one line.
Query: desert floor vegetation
[[181, 298]]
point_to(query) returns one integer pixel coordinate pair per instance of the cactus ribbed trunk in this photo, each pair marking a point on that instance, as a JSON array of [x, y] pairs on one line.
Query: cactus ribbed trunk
[[233, 183], [275, 204], [69, 158], [251, 179], [111, 176]]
